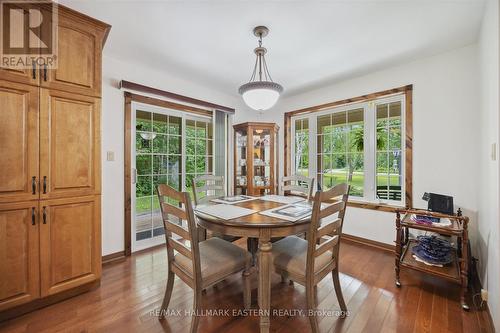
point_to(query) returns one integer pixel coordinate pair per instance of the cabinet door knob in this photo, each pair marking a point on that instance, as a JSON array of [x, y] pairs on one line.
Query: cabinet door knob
[[44, 184], [33, 216], [33, 185], [44, 215]]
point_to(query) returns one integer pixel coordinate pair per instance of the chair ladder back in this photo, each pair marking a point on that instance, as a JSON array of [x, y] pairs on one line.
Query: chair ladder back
[[297, 183], [325, 205], [188, 235], [212, 188]]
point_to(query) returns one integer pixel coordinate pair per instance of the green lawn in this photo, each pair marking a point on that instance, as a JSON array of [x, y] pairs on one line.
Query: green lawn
[[143, 204], [338, 176]]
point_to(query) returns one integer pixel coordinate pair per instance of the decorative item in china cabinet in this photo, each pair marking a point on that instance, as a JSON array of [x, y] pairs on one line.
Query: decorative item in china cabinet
[[255, 162]]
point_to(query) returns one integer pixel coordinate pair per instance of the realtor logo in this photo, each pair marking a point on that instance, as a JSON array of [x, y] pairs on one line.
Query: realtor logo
[[28, 34]]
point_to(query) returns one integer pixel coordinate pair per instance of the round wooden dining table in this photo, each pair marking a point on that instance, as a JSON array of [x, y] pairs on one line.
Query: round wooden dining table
[[262, 228]]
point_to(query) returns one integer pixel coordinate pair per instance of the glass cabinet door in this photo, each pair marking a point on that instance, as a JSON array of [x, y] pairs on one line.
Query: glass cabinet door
[[261, 160], [241, 162]]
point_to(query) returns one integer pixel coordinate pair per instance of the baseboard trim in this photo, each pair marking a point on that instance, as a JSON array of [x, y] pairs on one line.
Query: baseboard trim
[[489, 318], [113, 257], [368, 242], [49, 300], [474, 289], [152, 248]]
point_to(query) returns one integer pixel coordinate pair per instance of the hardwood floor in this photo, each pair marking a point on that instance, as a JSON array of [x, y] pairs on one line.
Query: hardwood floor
[[132, 289]]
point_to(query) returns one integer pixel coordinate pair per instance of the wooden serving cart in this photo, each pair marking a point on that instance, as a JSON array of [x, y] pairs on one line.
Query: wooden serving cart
[[457, 270]]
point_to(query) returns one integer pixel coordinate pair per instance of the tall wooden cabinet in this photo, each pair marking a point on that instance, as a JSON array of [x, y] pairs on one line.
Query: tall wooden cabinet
[[255, 158], [50, 170]]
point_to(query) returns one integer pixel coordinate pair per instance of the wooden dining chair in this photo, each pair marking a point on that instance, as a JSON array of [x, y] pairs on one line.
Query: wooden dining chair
[[207, 187], [306, 262], [201, 264], [297, 185]]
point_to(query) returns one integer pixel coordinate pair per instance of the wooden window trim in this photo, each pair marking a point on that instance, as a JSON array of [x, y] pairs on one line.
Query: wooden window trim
[[408, 92], [129, 98]]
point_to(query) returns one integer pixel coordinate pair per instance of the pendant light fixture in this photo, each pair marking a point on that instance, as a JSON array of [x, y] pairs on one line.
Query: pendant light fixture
[[260, 93]]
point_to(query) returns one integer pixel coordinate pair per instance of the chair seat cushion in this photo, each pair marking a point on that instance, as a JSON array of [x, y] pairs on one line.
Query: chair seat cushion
[[290, 254], [218, 259]]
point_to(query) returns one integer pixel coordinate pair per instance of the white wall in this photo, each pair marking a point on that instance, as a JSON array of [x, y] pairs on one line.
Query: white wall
[[113, 135], [445, 122], [487, 247]]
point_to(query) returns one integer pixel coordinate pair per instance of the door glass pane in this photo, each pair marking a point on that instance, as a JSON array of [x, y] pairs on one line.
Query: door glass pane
[[143, 121], [174, 125], [261, 159], [153, 167], [143, 164], [160, 123], [143, 213], [198, 150], [241, 162]]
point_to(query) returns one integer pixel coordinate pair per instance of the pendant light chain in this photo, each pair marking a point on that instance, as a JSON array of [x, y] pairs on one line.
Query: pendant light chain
[[259, 55], [261, 92]]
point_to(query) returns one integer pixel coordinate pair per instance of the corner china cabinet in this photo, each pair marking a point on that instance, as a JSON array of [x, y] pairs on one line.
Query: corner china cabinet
[[255, 162]]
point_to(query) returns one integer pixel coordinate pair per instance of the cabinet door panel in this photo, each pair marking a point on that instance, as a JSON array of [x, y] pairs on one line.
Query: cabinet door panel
[[79, 58], [27, 76], [19, 256], [70, 144], [18, 142], [18, 74], [70, 252]]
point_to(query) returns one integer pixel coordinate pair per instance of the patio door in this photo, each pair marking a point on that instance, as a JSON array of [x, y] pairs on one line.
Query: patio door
[[169, 147]]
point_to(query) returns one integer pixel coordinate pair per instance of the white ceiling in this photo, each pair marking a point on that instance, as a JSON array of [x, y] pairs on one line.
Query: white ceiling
[[310, 42]]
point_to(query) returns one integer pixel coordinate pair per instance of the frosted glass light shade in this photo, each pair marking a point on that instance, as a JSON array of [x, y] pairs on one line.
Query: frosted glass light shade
[[260, 95]]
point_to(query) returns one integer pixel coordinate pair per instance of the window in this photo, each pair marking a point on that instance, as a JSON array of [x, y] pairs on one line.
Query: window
[[340, 152], [360, 143], [389, 177]]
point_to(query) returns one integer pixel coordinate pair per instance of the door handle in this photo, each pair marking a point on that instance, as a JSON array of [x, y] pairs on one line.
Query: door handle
[[33, 185], [45, 72], [33, 69], [44, 215], [44, 184], [134, 176], [33, 216]]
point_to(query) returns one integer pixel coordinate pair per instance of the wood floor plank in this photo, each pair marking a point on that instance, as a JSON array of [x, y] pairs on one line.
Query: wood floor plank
[[424, 311], [439, 315], [131, 291]]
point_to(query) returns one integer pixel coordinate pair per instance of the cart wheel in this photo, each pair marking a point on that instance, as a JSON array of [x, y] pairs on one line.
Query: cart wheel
[[465, 307]]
